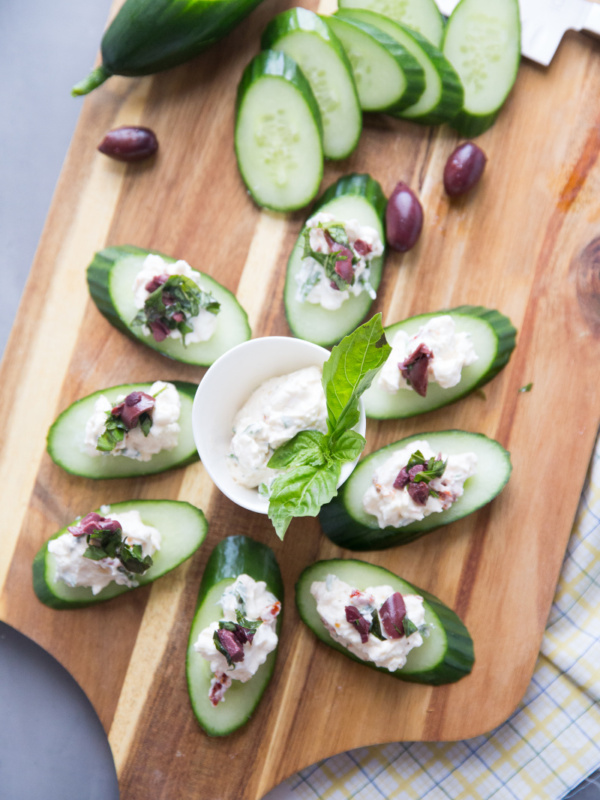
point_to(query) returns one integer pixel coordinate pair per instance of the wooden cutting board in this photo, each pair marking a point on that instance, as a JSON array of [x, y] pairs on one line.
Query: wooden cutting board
[[524, 241]]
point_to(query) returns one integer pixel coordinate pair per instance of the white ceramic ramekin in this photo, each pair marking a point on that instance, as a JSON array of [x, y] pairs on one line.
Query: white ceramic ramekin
[[224, 390]]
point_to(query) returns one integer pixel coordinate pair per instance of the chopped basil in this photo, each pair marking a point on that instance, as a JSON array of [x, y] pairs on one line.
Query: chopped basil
[[433, 468], [114, 432], [110, 544], [249, 624], [145, 423], [527, 388], [409, 626], [376, 627]]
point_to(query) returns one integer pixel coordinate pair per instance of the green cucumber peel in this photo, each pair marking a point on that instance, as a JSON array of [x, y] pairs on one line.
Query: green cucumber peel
[[313, 460]]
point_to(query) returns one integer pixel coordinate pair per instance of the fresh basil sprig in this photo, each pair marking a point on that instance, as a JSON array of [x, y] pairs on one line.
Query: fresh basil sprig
[[313, 460]]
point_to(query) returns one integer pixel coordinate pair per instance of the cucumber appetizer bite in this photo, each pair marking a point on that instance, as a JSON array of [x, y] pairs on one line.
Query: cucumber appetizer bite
[[378, 619], [443, 95], [438, 358], [482, 41], [335, 268], [233, 640], [413, 487], [421, 16], [278, 133], [116, 549], [387, 76], [125, 431], [165, 304], [308, 40]]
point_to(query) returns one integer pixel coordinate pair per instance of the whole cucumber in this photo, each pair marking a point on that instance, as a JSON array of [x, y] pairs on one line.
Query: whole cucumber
[[149, 36]]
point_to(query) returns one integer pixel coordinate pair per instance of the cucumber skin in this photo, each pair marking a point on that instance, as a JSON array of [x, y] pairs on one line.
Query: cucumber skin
[[452, 97], [98, 276], [506, 334], [43, 590], [360, 185], [459, 658], [303, 20], [235, 556], [276, 64], [343, 529], [184, 387], [412, 70]]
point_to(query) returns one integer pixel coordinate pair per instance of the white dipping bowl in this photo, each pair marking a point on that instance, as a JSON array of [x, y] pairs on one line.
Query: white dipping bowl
[[225, 388]]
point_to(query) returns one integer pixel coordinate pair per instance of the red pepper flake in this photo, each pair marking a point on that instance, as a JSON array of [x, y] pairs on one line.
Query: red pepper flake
[[414, 369], [392, 614]]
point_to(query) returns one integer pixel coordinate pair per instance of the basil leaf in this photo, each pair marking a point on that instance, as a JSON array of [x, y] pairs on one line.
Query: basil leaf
[[348, 447], [376, 627], [307, 447], [95, 553], [249, 624], [301, 492], [145, 423], [416, 458], [350, 370], [221, 649], [409, 626]]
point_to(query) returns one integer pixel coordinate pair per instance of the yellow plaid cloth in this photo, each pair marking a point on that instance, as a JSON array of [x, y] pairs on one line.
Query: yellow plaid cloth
[[542, 751]]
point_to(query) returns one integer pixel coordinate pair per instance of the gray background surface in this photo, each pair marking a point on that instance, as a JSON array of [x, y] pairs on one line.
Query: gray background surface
[[44, 49]]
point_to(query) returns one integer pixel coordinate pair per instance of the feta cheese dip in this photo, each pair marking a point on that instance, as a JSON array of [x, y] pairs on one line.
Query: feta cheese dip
[[377, 624], [238, 644], [140, 441], [397, 497], [273, 414], [75, 569], [155, 272], [437, 343], [327, 281]]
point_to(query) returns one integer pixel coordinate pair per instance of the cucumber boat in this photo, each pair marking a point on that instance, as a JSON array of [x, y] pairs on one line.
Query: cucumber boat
[[345, 521], [309, 41], [182, 527], [446, 654], [352, 197], [111, 276], [232, 557], [66, 438], [493, 337]]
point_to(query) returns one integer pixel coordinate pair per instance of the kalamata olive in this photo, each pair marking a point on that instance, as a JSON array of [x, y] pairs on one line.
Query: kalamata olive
[[403, 218], [463, 169], [129, 143]]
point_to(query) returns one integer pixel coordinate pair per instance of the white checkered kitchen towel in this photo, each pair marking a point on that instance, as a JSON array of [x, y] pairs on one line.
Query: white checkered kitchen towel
[[542, 751]]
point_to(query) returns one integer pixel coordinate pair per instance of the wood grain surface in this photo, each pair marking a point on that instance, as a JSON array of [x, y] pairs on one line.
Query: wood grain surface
[[525, 241]]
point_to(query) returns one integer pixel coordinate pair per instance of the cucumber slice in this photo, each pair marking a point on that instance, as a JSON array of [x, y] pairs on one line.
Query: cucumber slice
[[183, 529], [422, 16], [236, 555], [110, 280], [278, 133], [445, 656], [346, 523], [351, 197], [493, 337], [306, 38], [483, 43], [443, 96], [65, 438], [387, 76]]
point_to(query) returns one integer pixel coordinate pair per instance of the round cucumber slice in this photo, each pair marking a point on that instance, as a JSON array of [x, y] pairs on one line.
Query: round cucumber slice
[[346, 523], [110, 280], [446, 654], [387, 76], [236, 555], [443, 96], [308, 40], [422, 16], [65, 438], [352, 197], [278, 133], [483, 42], [493, 337], [182, 527]]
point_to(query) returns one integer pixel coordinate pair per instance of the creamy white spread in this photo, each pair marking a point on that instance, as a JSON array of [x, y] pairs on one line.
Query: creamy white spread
[[75, 570], [203, 325], [273, 414], [255, 602], [313, 284], [451, 352], [333, 595], [395, 507], [163, 435]]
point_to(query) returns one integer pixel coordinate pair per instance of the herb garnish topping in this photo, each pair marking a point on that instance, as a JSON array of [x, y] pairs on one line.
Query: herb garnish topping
[[313, 460], [418, 473], [136, 409], [105, 540], [172, 304], [339, 264]]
